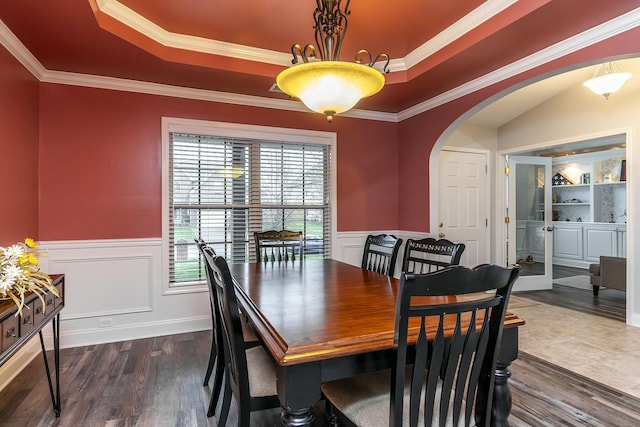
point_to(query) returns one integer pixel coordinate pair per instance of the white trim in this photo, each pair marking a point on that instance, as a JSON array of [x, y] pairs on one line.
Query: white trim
[[236, 130], [587, 38], [476, 17], [151, 30], [147, 28]]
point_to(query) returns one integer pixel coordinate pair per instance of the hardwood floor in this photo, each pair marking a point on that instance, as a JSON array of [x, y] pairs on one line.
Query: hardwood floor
[[610, 303], [158, 382]]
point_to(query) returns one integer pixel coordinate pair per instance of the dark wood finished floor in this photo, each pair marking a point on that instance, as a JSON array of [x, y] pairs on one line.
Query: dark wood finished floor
[[158, 382], [610, 303]]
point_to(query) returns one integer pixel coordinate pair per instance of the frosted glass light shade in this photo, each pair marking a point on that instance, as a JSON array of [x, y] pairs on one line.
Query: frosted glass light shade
[[607, 83], [330, 87]]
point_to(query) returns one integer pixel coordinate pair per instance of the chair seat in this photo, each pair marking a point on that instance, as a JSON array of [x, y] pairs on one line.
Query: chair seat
[[262, 373], [365, 399]]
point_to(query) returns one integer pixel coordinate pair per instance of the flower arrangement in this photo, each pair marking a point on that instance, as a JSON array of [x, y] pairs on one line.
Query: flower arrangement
[[20, 274]]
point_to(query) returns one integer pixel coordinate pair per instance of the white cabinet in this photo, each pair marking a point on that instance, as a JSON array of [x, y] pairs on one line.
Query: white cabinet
[[578, 244], [567, 241], [600, 240]]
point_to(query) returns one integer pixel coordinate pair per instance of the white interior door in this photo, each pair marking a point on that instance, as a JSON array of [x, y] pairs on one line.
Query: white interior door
[[463, 203], [530, 227]]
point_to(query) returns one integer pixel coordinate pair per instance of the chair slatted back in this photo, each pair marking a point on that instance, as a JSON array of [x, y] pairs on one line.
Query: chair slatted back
[[278, 245], [428, 255], [380, 254], [231, 326], [453, 377]]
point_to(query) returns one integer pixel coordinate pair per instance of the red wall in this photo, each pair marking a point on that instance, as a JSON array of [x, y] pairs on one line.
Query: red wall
[[101, 161], [419, 134], [18, 151], [100, 154]]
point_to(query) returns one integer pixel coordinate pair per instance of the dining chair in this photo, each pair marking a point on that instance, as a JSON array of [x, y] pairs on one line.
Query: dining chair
[[428, 255], [216, 353], [380, 253], [250, 373], [445, 378], [278, 245]]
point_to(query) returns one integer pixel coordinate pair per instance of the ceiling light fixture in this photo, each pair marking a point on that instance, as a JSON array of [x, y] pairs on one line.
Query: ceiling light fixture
[[609, 82], [325, 84]]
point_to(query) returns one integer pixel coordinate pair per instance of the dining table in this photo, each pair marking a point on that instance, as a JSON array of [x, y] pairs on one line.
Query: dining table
[[323, 319]]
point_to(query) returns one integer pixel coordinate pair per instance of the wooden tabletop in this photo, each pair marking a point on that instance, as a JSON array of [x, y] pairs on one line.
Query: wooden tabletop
[[320, 309]]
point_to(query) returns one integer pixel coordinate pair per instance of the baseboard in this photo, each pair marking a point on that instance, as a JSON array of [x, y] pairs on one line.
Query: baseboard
[[19, 361], [94, 336]]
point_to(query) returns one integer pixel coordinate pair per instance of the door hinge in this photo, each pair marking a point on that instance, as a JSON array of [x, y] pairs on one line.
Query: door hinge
[[506, 220], [507, 170]]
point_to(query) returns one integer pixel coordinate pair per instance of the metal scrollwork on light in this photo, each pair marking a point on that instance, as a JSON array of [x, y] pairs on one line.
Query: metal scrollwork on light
[[330, 28]]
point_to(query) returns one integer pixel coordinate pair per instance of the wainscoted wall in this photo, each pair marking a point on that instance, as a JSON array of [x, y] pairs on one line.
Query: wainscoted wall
[[114, 288], [114, 292]]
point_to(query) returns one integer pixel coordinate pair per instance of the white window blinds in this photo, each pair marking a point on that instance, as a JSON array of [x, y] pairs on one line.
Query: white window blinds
[[224, 189]]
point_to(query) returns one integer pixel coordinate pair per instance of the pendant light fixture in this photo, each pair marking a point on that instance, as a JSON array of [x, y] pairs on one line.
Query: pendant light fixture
[[609, 82], [322, 82]]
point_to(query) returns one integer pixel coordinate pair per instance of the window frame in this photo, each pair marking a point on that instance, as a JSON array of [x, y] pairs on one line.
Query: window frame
[[235, 130]]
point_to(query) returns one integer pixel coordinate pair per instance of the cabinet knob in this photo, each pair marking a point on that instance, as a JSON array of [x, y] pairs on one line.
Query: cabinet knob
[[549, 228]]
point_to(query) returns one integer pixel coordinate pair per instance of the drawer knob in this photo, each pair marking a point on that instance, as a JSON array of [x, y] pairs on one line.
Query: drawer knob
[[11, 333], [26, 319]]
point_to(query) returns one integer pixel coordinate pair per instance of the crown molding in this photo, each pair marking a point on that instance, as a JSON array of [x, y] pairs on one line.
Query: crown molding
[[478, 16], [585, 39], [140, 24], [118, 84], [147, 28], [20, 51]]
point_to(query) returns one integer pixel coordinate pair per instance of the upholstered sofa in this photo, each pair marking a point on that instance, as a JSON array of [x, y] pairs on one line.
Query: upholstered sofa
[[610, 273]]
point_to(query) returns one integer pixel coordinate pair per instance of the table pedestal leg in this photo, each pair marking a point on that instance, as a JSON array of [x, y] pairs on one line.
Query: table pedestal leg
[[299, 391], [501, 396], [297, 418]]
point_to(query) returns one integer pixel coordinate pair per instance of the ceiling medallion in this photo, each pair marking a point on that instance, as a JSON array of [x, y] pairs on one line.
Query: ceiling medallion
[[323, 82]]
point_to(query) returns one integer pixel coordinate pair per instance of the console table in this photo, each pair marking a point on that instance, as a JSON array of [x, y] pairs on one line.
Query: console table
[[16, 331]]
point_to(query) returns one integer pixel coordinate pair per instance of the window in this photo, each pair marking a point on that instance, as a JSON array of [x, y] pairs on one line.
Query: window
[[223, 186]]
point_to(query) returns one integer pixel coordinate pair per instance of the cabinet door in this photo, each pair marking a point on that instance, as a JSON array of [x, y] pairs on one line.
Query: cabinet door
[[567, 241], [600, 241], [622, 242]]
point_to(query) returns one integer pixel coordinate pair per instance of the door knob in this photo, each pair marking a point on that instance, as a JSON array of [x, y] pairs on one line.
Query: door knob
[[549, 228], [441, 235]]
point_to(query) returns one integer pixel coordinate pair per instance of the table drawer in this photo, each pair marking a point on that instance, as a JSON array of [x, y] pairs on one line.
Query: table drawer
[[10, 331], [26, 322], [38, 313], [58, 300]]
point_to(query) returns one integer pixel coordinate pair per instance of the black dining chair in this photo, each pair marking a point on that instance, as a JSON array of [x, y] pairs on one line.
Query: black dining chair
[[250, 373], [278, 245], [216, 353], [447, 380], [428, 255], [380, 253]]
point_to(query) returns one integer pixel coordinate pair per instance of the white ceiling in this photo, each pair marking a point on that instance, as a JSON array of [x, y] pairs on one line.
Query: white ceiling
[[522, 100]]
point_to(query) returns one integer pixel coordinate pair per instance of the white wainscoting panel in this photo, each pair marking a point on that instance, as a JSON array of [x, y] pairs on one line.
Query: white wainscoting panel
[[113, 292], [118, 285]]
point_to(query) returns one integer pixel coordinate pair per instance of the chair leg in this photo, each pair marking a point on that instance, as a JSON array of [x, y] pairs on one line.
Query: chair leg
[[596, 288], [212, 361], [333, 418], [226, 404], [218, 379]]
